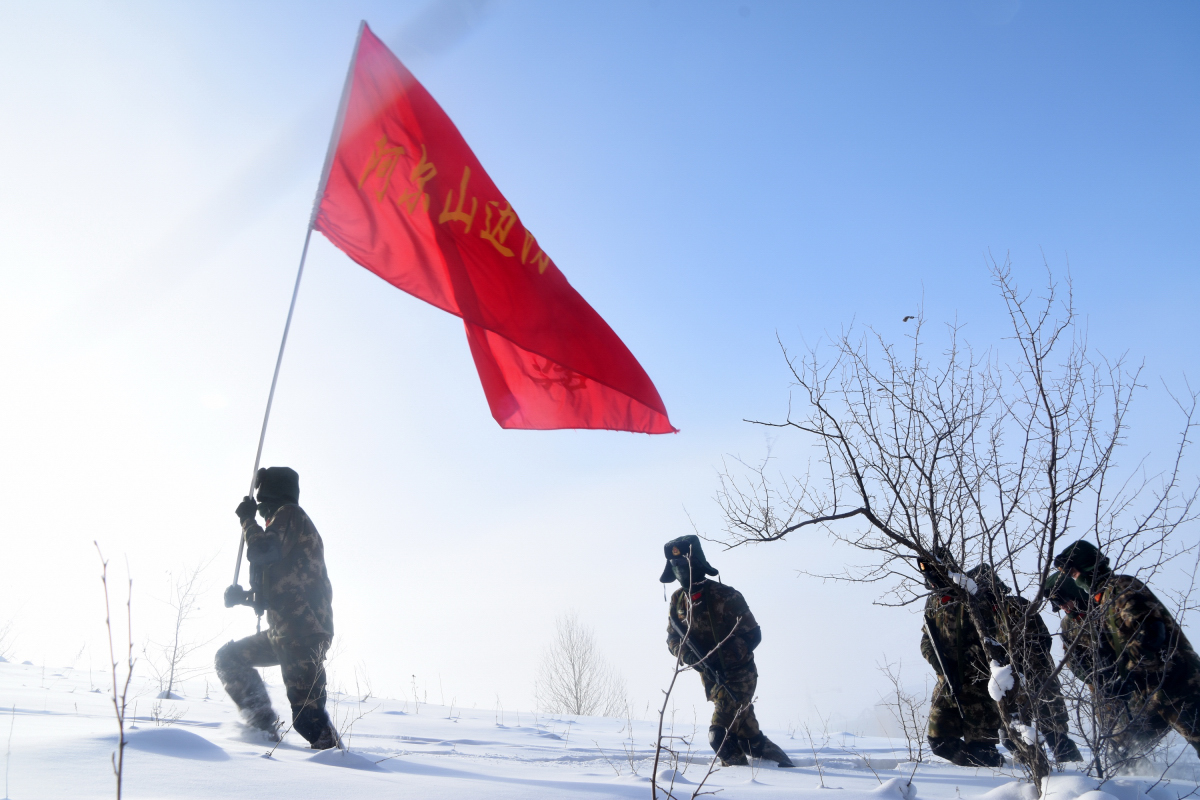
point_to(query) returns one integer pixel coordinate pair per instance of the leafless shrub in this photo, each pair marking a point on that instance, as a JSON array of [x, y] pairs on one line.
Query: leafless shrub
[[629, 743], [991, 458], [817, 748], [346, 728], [170, 660], [574, 677], [909, 709], [120, 691], [165, 715]]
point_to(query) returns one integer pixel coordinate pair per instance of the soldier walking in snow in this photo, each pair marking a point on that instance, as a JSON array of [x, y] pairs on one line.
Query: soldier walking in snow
[[1157, 673], [1024, 635], [710, 626], [288, 581], [1093, 663], [963, 718]]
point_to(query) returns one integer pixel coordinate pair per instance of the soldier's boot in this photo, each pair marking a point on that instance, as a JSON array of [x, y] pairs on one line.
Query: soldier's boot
[[256, 711], [314, 725], [983, 754], [764, 748], [270, 728], [328, 739], [1062, 748], [726, 747], [952, 750], [262, 717]]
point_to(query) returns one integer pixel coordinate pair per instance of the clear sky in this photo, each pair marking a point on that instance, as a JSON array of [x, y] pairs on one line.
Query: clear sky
[[707, 174]]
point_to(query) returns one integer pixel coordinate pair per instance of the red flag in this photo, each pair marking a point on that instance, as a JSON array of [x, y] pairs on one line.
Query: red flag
[[407, 199]]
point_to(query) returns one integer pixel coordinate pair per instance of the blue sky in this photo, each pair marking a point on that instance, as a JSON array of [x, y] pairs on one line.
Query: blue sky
[[707, 174]]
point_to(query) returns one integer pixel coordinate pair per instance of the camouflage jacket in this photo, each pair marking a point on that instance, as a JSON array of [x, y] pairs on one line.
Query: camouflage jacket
[[1141, 632], [956, 641], [1089, 656], [716, 609], [299, 595], [1024, 635]]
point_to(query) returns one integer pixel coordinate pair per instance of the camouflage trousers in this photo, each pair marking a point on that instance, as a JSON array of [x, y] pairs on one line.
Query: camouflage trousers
[[1128, 731], [1049, 712], [978, 722], [1172, 700], [734, 716], [302, 662]]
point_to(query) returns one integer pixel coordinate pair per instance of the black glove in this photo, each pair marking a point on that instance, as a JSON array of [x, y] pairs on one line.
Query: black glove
[[681, 651], [235, 595], [247, 508]]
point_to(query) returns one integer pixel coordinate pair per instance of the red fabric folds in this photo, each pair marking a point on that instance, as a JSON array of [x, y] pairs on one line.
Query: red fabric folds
[[407, 199]]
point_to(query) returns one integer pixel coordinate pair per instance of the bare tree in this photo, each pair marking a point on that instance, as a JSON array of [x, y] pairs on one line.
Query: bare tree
[[171, 659], [970, 458], [574, 678]]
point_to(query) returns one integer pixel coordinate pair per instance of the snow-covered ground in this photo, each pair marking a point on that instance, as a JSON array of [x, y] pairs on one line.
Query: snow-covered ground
[[63, 734]]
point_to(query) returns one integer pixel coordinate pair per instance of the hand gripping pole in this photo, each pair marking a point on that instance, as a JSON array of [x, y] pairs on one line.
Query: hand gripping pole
[[237, 569], [329, 154]]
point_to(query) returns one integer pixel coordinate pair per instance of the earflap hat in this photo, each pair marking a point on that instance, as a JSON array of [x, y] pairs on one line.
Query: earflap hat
[[278, 484], [680, 549], [1083, 556]]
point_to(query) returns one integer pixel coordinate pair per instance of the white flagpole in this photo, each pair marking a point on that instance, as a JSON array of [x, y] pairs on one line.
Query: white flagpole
[[339, 120]]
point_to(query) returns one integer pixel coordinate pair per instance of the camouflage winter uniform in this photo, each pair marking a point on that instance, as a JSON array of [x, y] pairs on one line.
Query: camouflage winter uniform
[[1155, 663], [302, 662], [300, 624], [1025, 636], [966, 671], [1087, 656], [715, 611], [1093, 662], [299, 595]]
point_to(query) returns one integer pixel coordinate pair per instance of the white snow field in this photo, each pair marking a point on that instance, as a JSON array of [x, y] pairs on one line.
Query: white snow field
[[63, 734]]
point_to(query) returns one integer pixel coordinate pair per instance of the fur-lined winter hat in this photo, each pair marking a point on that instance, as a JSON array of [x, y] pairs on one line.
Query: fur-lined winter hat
[[987, 580], [680, 549], [1083, 556], [278, 484]]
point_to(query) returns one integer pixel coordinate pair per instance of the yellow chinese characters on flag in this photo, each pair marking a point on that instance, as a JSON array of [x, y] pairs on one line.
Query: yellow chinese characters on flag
[[407, 199]]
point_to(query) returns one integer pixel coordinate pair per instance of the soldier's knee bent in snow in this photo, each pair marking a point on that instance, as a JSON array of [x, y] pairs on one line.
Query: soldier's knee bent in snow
[[230, 658]]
